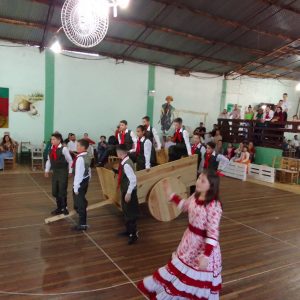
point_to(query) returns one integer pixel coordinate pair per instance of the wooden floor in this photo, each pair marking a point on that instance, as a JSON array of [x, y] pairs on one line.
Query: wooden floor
[[260, 241]]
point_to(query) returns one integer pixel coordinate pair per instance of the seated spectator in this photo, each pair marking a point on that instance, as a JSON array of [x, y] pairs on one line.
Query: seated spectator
[[72, 145], [201, 130], [208, 138], [251, 150], [236, 113], [224, 114], [169, 142], [238, 152], [269, 114], [67, 140], [102, 145], [295, 119], [86, 137], [217, 137], [249, 114], [215, 128], [13, 141], [259, 117], [229, 152], [219, 147], [278, 115], [245, 157], [7, 148]]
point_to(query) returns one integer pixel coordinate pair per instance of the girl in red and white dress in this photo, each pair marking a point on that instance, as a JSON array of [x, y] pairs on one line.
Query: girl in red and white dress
[[194, 272]]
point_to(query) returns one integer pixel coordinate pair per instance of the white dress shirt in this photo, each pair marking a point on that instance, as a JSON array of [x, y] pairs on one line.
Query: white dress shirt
[[134, 139], [186, 138], [79, 172], [202, 151], [130, 175], [156, 137], [68, 158], [271, 115], [72, 146]]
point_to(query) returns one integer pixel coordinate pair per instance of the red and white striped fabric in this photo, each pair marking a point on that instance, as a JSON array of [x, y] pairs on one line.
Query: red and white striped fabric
[[182, 277]]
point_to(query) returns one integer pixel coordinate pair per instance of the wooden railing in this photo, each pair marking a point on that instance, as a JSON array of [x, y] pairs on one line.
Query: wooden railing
[[266, 134]]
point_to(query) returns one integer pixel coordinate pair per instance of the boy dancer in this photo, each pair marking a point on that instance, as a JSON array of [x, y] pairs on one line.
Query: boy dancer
[[129, 200], [181, 138], [210, 157], [145, 156], [200, 150], [60, 162], [151, 133], [126, 137], [82, 175]]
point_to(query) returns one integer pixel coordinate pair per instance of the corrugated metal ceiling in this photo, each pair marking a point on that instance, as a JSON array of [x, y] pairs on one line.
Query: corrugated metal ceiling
[[217, 36]]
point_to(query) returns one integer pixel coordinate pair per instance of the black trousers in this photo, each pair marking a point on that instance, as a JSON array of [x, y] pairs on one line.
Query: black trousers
[[130, 211], [80, 202], [177, 151], [60, 187]]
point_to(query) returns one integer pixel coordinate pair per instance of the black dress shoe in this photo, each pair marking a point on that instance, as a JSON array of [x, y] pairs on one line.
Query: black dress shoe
[[80, 227], [132, 239], [56, 212], [65, 211]]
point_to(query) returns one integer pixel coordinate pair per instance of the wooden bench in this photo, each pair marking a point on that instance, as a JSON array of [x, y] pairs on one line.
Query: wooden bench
[[262, 173]]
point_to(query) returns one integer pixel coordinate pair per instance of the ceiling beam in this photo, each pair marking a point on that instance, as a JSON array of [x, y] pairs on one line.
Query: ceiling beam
[[105, 54], [236, 65], [242, 70], [49, 16], [224, 21], [190, 36], [187, 35], [131, 59], [281, 6]]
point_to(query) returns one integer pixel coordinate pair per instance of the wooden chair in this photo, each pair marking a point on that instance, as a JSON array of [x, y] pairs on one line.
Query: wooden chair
[[37, 158], [10, 162]]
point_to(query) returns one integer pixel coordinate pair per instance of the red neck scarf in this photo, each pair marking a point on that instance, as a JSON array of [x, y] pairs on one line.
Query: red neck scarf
[[177, 136], [207, 158], [74, 160], [53, 153], [267, 116], [194, 148], [120, 171], [122, 137], [138, 147]]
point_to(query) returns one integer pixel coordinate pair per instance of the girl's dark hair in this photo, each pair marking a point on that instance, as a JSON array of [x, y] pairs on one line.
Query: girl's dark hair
[[214, 185], [3, 141]]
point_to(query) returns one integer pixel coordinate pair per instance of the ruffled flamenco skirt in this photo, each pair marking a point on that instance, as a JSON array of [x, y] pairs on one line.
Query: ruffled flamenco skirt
[[178, 281]]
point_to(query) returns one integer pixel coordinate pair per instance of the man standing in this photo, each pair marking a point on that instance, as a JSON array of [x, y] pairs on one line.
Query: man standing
[[167, 115]]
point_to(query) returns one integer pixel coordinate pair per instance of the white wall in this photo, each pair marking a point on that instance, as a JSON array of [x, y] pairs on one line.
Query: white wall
[[189, 93], [93, 96], [245, 91], [22, 71]]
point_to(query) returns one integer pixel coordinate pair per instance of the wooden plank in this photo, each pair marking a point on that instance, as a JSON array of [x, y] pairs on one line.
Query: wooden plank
[[184, 169], [235, 170], [73, 212], [158, 202]]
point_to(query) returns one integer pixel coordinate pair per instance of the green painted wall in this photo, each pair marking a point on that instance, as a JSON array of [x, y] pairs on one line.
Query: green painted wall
[[151, 87], [264, 156], [49, 94]]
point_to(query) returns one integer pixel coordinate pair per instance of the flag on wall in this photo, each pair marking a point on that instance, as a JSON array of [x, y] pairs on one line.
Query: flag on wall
[[4, 107]]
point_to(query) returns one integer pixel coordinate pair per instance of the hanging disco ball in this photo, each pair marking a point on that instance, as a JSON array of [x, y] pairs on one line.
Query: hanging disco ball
[[85, 22]]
